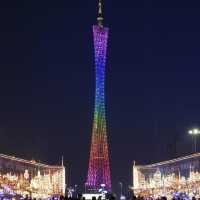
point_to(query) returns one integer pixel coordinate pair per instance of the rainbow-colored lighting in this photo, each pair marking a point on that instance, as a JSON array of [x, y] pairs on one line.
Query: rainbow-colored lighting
[[99, 169]]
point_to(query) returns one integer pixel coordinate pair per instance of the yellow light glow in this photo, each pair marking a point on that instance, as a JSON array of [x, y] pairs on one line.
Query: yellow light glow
[[41, 183]]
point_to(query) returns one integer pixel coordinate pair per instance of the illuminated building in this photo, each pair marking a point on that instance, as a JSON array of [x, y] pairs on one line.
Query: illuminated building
[[19, 177], [169, 177], [99, 169]]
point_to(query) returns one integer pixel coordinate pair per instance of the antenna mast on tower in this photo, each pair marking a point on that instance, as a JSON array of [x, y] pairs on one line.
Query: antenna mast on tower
[[100, 14]]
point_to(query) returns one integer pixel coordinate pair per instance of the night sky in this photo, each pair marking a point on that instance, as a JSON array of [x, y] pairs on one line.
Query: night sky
[[47, 81]]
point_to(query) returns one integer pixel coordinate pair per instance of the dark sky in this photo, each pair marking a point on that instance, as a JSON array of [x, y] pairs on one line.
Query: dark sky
[[47, 81]]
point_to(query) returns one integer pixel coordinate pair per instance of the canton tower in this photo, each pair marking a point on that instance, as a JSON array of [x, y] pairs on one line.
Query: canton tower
[[99, 168]]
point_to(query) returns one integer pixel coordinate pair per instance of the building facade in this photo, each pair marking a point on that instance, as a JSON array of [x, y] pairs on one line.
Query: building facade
[[168, 178], [19, 177]]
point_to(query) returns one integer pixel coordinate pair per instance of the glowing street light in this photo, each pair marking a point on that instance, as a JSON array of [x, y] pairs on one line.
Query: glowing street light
[[121, 188], [194, 132]]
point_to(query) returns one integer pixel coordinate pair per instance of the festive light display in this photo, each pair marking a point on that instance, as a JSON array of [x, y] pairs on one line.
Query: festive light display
[[180, 175], [99, 169], [20, 177]]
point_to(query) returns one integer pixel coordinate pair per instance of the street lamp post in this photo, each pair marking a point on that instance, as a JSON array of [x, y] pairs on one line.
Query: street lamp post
[[121, 188], [85, 187], [194, 132], [75, 190]]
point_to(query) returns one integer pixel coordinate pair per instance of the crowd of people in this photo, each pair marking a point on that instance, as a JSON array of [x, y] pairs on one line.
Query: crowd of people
[[114, 197], [80, 197], [164, 198], [133, 197]]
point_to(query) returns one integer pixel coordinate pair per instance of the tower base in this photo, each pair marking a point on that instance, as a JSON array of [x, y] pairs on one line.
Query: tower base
[[90, 196]]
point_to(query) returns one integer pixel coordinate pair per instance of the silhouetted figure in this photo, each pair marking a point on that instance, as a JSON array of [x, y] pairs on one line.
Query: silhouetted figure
[[79, 196], [134, 197], [62, 197], [193, 198], [26, 198], [163, 198]]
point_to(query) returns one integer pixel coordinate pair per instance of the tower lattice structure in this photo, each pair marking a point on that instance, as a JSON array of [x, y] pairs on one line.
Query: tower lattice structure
[[99, 168]]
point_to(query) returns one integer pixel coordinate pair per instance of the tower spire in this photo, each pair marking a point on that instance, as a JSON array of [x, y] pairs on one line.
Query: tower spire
[[100, 14]]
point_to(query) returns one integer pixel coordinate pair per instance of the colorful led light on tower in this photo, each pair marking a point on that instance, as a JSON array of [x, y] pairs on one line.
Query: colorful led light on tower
[[99, 169]]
